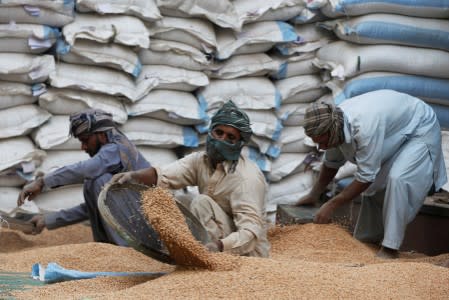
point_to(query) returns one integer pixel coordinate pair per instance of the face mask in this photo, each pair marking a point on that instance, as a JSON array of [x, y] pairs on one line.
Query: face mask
[[220, 151]]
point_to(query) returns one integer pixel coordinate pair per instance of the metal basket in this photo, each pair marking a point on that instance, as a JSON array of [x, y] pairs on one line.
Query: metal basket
[[123, 214]]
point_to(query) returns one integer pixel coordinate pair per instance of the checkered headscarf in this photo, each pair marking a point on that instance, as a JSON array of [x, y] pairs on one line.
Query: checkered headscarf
[[90, 121], [229, 114], [322, 118]]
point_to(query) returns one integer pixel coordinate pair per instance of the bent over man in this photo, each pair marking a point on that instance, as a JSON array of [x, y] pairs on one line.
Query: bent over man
[[110, 151], [231, 204], [395, 141]]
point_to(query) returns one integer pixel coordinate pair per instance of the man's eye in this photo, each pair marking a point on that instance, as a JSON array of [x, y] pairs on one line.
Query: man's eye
[[219, 132]]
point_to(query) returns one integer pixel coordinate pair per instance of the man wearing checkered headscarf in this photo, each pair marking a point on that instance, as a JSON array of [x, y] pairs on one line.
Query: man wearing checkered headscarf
[[111, 152], [322, 118], [394, 139]]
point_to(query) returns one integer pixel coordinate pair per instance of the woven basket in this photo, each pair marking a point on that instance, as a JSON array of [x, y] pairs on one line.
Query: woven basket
[[123, 213]]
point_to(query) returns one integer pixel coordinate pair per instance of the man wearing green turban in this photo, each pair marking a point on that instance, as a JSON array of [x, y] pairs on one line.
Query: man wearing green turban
[[232, 189]]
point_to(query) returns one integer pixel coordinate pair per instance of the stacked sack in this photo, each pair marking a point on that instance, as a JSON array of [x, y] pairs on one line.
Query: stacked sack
[[398, 45]]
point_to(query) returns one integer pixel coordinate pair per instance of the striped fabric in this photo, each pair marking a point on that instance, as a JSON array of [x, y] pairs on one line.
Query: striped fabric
[[229, 114], [90, 121]]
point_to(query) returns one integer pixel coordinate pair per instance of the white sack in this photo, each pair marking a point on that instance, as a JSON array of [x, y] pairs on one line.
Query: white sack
[[392, 29], [20, 120], [290, 189], [254, 38], [194, 32], [286, 164], [55, 132], [258, 64], [300, 89], [172, 78], [143, 9], [27, 38], [11, 178], [309, 38], [294, 65], [265, 145], [100, 80], [67, 101], [261, 160], [26, 68], [175, 54], [60, 6], [265, 123], [345, 60], [152, 132], [125, 30], [14, 94], [157, 156], [34, 15], [172, 106], [294, 140], [245, 92], [293, 114], [221, 13], [268, 10], [9, 197], [20, 152], [418, 8], [430, 89], [111, 55]]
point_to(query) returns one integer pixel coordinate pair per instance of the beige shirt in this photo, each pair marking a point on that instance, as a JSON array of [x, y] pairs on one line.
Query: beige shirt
[[241, 194]]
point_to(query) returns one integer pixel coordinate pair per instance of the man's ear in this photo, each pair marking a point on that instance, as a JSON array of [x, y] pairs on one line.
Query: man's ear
[[102, 137]]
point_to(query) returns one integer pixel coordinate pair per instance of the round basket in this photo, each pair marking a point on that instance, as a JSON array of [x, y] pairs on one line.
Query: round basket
[[123, 214]]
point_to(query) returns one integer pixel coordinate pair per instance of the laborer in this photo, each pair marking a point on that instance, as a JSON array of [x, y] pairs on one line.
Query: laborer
[[110, 153], [231, 203], [395, 141]]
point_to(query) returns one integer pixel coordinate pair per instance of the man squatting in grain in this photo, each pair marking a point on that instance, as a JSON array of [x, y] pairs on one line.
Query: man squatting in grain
[[110, 152], [231, 203], [395, 141]]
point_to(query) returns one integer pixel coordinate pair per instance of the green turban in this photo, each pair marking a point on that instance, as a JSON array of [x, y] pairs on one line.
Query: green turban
[[229, 114]]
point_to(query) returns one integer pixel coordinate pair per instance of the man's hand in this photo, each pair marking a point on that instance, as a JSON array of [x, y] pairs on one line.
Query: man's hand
[[325, 212], [39, 224], [215, 246], [30, 191], [121, 178]]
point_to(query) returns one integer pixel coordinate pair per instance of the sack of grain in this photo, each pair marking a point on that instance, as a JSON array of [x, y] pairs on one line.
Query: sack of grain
[[14, 94], [392, 29], [35, 14], [175, 54], [286, 164], [172, 78], [245, 65], [292, 114], [125, 30], [418, 8], [191, 31], [61, 6], [21, 119], [259, 158], [54, 134], [59, 198], [27, 38], [294, 140], [12, 178], [345, 60], [56, 159], [300, 89], [272, 10], [68, 101], [20, 153], [294, 65], [172, 106], [265, 145], [157, 156], [152, 132], [146, 10], [309, 38], [111, 55], [290, 189], [246, 92], [101, 80], [26, 68], [254, 38], [221, 13], [429, 89]]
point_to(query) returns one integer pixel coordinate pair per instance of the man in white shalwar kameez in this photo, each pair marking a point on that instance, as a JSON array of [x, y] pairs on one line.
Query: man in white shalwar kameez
[[395, 141]]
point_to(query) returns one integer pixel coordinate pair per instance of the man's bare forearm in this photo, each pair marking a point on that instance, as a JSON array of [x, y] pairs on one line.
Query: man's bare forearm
[[325, 177], [146, 176]]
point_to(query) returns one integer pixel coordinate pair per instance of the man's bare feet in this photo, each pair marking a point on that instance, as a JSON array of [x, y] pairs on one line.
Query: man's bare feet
[[387, 253]]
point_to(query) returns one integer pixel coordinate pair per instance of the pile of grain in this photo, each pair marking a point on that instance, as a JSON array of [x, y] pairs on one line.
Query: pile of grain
[[160, 209]]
